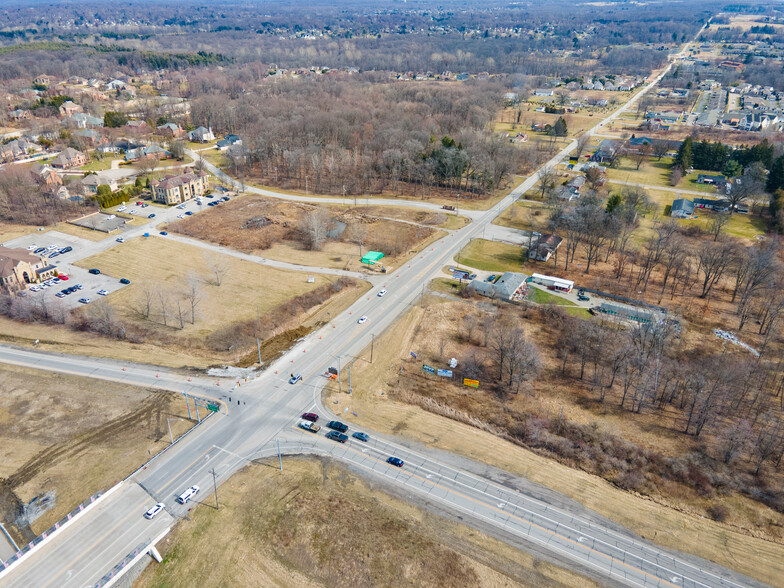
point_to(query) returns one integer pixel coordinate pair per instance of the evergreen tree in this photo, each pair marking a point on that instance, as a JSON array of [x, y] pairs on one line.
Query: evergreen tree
[[559, 128], [776, 176], [685, 158]]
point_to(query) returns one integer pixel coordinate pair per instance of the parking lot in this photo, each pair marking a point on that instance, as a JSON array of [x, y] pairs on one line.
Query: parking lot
[[90, 286]]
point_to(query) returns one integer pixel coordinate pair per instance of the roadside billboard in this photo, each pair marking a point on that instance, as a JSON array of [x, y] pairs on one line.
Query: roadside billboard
[[428, 369], [471, 383], [444, 373]]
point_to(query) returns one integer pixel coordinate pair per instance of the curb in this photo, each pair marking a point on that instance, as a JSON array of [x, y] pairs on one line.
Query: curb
[[136, 559]]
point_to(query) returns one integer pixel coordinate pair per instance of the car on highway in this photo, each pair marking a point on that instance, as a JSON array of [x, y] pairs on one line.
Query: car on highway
[[337, 426], [361, 436], [125, 281], [188, 494], [94, 271], [150, 514], [102, 293], [381, 293], [120, 240], [84, 300], [362, 320], [310, 416], [395, 461], [164, 233], [339, 437], [295, 378], [308, 426]]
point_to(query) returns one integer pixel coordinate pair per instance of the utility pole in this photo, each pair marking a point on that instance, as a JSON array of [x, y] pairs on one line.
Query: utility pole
[[340, 385], [171, 437], [372, 341], [422, 298], [215, 485], [258, 347], [349, 378], [280, 459], [188, 404]]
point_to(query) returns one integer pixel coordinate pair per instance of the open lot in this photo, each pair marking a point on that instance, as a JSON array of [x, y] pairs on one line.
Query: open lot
[[167, 276], [449, 419], [492, 256], [316, 523], [64, 438], [271, 228]]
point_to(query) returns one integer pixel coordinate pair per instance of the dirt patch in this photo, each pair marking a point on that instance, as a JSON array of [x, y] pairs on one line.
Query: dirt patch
[[316, 523], [65, 438]]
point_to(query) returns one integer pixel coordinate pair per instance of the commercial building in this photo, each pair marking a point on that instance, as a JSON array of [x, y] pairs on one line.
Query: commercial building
[[176, 189], [19, 267], [553, 283]]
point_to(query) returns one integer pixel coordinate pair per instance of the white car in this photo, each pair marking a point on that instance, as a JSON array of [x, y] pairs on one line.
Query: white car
[[362, 320], [32, 247], [52, 247], [35, 288], [120, 240], [121, 208], [111, 217], [382, 292], [180, 216], [84, 300], [132, 211], [188, 494], [102, 293], [150, 514]]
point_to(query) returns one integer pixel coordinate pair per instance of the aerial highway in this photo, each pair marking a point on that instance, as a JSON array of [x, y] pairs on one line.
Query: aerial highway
[[259, 418]]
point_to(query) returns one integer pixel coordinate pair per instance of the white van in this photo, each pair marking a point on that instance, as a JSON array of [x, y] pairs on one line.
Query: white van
[[188, 494]]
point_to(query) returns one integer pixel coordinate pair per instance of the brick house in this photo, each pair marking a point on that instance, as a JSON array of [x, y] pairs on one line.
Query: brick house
[[176, 189], [68, 158]]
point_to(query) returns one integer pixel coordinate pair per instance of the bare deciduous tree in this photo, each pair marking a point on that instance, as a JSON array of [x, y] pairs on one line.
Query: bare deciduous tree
[[314, 228], [219, 267]]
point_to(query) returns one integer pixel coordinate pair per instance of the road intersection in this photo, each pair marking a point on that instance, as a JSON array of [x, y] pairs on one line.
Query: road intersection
[[259, 418]]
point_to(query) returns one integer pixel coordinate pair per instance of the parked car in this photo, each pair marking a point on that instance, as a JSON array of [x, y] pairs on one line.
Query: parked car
[[60, 295], [491, 278], [151, 215], [188, 494], [84, 300], [395, 461], [337, 426], [361, 436], [63, 277], [94, 271], [362, 320], [55, 254], [125, 281], [150, 514], [339, 437], [310, 416], [102, 293], [121, 208], [308, 426], [164, 233], [583, 298], [66, 249], [39, 250], [188, 213], [295, 378]]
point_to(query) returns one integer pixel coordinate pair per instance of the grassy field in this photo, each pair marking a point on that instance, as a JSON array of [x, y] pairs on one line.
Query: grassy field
[[316, 523], [96, 165], [491, 256], [9, 231], [674, 528], [73, 436], [544, 297], [246, 287]]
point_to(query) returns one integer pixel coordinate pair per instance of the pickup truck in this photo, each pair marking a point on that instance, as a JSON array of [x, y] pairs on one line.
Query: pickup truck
[[308, 426]]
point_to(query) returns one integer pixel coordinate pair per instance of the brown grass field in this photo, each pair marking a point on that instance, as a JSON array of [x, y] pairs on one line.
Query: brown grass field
[[749, 542], [73, 436], [316, 523]]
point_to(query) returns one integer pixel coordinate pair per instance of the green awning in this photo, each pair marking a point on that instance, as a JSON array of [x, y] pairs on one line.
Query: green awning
[[372, 257]]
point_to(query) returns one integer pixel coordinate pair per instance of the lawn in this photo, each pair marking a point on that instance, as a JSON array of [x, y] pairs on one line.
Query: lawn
[[315, 523], [540, 296], [166, 267], [491, 256], [96, 165], [446, 286], [74, 436]]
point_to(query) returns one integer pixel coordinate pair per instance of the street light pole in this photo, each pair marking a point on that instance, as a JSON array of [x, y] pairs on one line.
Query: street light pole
[[171, 437], [215, 486]]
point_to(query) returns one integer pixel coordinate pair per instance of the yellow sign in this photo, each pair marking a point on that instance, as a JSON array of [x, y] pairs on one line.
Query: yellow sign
[[472, 383]]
